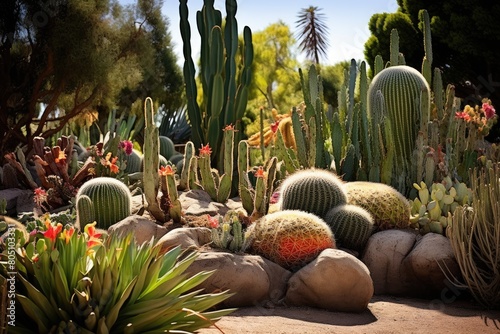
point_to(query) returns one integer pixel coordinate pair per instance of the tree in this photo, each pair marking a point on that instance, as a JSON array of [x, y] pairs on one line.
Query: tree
[[61, 58], [312, 33], [464, 36]]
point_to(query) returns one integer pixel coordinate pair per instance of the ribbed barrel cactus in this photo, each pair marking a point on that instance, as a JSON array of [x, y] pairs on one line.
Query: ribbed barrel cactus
[[290, 238], [134, 161], [351, 224], [105, 200], [389, 208], [312, 190], [167, 147]]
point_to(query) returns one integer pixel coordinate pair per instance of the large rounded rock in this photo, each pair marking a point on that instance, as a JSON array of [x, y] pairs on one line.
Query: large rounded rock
[[402, 262], [253, 279], [335, 281], [142, 228], [384, 256], [186, 237]]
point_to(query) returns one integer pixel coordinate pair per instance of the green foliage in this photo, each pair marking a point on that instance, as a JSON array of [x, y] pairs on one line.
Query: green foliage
[[110, 62], [351, 225], [228, 232], [104, 200], [290, 238], [312, 190], [73, 281]]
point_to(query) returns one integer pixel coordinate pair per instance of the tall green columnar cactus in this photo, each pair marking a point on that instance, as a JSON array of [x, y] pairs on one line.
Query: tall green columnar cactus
[[310, 133], [225, 85], [312, 190], [184, 183], [105, 200], [406, 104], [151, 151]]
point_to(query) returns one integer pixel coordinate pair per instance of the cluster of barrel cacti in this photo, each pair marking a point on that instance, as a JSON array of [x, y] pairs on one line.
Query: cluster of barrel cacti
[[433, 209]]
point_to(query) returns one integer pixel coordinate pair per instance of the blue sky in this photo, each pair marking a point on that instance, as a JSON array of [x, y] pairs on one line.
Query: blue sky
[[347, 21]]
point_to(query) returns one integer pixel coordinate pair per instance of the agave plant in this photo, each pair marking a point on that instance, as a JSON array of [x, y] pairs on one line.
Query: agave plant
[[82, 281]]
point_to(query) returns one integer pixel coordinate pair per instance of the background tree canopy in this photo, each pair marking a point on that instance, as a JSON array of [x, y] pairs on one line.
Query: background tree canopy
[[61, 58], [465, 36]]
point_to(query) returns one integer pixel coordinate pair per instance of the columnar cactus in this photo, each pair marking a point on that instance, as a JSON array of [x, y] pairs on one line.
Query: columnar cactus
[[105, 200], [312, 190], [351, 224], [290, 238], [389, 208], [407, 100]]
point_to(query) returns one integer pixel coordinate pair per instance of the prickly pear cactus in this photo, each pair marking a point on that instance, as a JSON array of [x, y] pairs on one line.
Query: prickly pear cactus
[[389, 208], [351, 224], [290, 238], [103, 199], [312, 190], [167, 147]]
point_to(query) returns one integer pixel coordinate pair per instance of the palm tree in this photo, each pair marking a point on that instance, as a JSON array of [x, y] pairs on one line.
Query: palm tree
[[312, 33]]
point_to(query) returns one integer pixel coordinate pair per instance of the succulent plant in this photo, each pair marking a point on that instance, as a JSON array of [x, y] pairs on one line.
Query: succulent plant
[[290, 238], [228, 232], [134, 162], [105, 200], [432, 210], [351, 224], [389, 208], [312, 190]]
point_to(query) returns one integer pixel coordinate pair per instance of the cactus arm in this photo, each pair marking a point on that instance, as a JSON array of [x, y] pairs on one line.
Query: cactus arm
[[85, 211], [299, 138], [207, 178], [394, 47], [185, 174]]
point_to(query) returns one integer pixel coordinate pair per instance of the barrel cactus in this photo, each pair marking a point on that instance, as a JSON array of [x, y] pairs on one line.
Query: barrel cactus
[[167, 147], [134, 161], [312, 190], [406, 103], [351, 224], [389, 208], [290, 238], [105, 200]]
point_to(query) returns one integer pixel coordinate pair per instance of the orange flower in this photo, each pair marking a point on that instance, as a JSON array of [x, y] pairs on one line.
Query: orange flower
[[166, 170], [52, 231], [213, 221], [61, 158], [260, 172], [228, 127], [66, 234], [274, 126], [113, 167], [205, 150], [93, 236]]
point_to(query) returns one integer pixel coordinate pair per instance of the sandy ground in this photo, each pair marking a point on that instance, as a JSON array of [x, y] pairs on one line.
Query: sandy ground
[[385, 315]]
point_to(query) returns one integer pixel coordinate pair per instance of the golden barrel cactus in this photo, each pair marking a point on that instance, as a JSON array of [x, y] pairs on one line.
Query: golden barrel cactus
[[389, 208], [290, 238]]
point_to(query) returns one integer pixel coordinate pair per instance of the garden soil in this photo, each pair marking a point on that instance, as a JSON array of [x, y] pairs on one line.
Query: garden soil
[[385, 315]]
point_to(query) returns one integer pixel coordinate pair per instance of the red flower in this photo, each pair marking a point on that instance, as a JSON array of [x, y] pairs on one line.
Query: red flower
[[52, 231], [489, 111], [40, 196], [205, 150], [274, 126], [260, 172], [66, 234], [213, 221], [463, 115], [127, 146], [228, 127], [94, 238]]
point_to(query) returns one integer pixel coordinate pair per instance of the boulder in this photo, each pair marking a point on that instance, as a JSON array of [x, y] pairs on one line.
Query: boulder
[[254, 280], [144, 229], [384, 256], [335, 281], [404, 263], [186, 237]]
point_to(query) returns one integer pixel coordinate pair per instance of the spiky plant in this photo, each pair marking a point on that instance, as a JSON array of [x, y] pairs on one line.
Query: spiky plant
[[475, 238], [71, 282], [313, 33], [290, 238]]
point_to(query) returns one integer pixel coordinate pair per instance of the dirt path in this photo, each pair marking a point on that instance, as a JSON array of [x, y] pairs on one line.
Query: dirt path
[[385, 315]]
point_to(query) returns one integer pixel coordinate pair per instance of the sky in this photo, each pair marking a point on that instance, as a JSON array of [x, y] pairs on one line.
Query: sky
[[347, 22]]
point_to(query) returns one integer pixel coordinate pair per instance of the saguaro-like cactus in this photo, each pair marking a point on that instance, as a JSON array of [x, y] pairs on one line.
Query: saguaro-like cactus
[[105, 200]]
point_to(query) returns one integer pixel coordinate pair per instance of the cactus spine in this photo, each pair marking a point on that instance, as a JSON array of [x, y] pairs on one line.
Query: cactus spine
[[105, 200], [312, 190], [290, 238], [352, 226]]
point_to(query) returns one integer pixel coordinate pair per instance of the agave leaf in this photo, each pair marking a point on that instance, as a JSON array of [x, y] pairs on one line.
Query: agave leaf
[[61, 286], [34, 313], [145, 306], [206, 301], [39, 299], [113, 314], [141, 279], [193, 281], [162, 288]]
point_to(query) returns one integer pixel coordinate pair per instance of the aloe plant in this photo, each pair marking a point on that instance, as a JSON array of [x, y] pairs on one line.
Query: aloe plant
[[82, 282]]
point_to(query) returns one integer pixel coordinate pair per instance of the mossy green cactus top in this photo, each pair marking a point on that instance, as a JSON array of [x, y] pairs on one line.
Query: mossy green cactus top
[[312, 190]]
